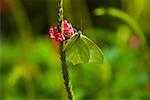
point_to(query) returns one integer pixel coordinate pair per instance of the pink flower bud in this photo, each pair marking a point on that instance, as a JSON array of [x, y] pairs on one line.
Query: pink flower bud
[[55, 30], [51, 33], [68, 29], [59, 37]]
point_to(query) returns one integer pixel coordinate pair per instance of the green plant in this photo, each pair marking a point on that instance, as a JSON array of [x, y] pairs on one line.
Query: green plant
[[74, 47]]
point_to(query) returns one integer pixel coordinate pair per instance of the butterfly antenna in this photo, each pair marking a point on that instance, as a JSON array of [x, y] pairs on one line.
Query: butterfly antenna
[[81, 24]]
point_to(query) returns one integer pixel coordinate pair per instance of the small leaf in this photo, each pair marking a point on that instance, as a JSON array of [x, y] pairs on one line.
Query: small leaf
[[83, 50]]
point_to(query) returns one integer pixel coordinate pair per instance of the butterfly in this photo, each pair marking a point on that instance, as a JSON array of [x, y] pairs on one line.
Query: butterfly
[[80, 50]]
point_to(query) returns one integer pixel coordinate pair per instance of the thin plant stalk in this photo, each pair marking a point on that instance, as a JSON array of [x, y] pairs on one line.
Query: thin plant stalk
[[62, 53]]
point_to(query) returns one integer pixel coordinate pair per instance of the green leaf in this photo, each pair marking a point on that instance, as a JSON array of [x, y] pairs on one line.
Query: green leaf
[[82, 50]]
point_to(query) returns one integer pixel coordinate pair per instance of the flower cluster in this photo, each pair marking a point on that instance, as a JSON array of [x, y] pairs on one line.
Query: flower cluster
[[59, 37]]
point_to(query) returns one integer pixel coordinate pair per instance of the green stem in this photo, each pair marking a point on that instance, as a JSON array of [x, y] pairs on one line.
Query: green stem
[[62, 53], [65, 73]]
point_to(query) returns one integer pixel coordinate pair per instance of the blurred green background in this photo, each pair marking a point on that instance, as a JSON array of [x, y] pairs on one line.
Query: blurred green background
[[29, 61]]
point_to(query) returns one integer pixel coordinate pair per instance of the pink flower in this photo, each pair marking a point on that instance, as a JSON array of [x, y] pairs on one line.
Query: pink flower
[[55, 29], [51, 33], [55, 34], [68, 29], [59, 37]]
